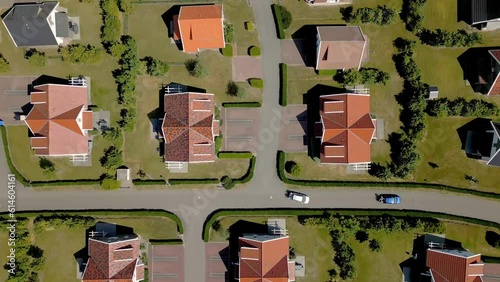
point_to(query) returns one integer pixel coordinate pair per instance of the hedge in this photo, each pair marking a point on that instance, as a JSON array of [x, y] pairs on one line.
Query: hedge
[[281, 158], [345, 212], [180, 181], [254, 51], [12, 168], [327, 72], [227, 51], [140, 182], [489, 259], [278, 20], [133, 212], [256, 82], [65, 182], [249, 175], [234, 155], [283, 84], [166, 241], [242, 105], [249, 26]]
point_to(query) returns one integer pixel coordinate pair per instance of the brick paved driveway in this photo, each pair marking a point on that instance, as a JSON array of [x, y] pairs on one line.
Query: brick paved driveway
[[240, 129], [216, 262], [245, 67], [293, 129], [166, 263]]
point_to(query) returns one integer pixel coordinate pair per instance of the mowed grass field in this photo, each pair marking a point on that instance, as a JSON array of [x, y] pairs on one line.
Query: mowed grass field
[[315, 244]]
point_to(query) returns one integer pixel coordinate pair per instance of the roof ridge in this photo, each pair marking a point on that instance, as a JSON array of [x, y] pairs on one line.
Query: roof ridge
[[197, 132], [245, 261]]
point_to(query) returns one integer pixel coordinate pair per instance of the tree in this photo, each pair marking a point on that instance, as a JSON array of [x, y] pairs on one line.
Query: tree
[[227, 182], [128, 119], [112, 158], [114, 135], [4, 65], [362, 236], [110, 184], [195, 68], [155, 67], [286, 17], [216, 226], [228, 32], [116, 50], [35, 57], [493, 239], [232, 89], [47, 166], [126, 6], [375, 245], [293, 168], [80, 54]]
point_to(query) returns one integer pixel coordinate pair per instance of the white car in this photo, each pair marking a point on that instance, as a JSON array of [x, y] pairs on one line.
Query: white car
[[299, 197]]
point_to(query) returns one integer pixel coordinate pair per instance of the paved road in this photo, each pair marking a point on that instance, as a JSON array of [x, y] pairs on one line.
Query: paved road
[[265, 190]]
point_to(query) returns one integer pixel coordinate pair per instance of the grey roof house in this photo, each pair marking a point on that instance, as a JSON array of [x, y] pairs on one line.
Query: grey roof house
[[483, 14], [484, 144], [39, 24]]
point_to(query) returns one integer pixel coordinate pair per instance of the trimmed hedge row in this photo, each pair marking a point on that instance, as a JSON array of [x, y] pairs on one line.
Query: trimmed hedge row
[[134, 212], [242, 105], [489, 259], [278, 21], [354, 212], [66, 182], [166, 241], [234, 155], [180, 181], [12, 168], [283, 84], [281, 158], [249, 175], [140, 182]]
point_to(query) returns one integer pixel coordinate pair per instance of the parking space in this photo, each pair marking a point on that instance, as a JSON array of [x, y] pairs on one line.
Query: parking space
[[240, 129], [14, 98], [293, 133], [166, 263], [216, 262], [245, 67]]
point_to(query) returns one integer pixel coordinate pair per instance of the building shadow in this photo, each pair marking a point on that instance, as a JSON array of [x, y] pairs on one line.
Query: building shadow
[[168, 21], [46, 79], [474, 139], [463, 11], [477, 69]]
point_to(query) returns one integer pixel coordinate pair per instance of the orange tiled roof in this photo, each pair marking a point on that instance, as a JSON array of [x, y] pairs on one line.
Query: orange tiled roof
[[189, 127], [348, 128], [264, 260], [117, 261], [57, 116], [448, 267], [200, 27]]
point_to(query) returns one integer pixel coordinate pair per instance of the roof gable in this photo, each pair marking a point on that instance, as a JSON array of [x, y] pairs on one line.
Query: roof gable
[[447, 266]]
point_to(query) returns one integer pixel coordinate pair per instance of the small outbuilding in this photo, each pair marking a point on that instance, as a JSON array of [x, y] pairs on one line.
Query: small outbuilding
[[433, 92], [123, 175]]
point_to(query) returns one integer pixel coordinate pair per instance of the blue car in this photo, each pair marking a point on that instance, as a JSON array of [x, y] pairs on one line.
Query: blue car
[[390, 199]]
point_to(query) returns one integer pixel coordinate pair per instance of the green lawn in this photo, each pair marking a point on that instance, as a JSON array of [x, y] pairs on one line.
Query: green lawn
[[4, 252], [237, 12], [27, 163]]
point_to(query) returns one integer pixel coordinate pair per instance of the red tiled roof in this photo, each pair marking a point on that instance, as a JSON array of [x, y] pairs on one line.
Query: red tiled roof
[[264, 261], [87, 121], [448, 267], [56, 116], [341, 47], [200, 27], [188, 127], [109, 261], [348, 128]]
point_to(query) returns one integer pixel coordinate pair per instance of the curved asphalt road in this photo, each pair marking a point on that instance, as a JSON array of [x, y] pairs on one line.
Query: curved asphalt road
[[265, 190]]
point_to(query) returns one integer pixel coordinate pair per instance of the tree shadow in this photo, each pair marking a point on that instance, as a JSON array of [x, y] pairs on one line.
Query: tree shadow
[[476, 67], [475, 141]]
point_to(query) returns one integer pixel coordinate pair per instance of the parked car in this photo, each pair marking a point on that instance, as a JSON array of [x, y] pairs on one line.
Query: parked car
[[296, 196], [391, 199]]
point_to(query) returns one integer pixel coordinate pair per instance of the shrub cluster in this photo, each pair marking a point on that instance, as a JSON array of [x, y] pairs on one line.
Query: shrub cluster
[[218, 143], [126, 6], [228, 32], [380, 15], [35, 57], [4, 64], [227, 182], [112, 158], [254, 51], [249, 26], [445, 38], [155, 67], [345, 259], [443, 107], [249, 174], [111, 28], [293, 168], [232, 89], [114, 135], [80, 54], [363, 76], [227, 50], [48, 167], [256, 82], [283, 19], [195, 68], [411, 14]]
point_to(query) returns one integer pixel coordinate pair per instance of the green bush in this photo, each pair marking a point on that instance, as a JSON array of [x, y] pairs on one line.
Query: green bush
[[35, 57], [254, 51], [116, 50], [443, 107], [48, 167], [181, 181], [128, 119], [375, 245], [141, 182], [218, 143], [283, 85], [363, 76], [126, 6], [278, 18], [155, 67], [489, 259], [114, 135], [80, 54], [381, 15], [232, 89], [411, 14], [4, 64], [242, 105], [112, 158], [166, 241], [111, 28], [195, 68], [249, 26], [227, 182], [256, 82], [227, 50], [459, 38], [228, 32], [234, 155], [327, 72], [110, 184], [293, 168], [286, 17]]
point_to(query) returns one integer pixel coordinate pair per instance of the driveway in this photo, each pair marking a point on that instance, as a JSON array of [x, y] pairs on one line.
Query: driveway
[[14, 98], [293, 52], [245, 67], [240, 129], [216, 262], [293, 129], [166, 263]]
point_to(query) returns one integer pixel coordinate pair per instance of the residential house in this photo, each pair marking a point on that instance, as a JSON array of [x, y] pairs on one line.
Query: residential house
[[39, 24], [484, 143], [264, 258], [60, 119], [189, 128], [113, 258], [199, 27], [481, 67], [340, 47], [454, 265], [483, 14], [346, 129]]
